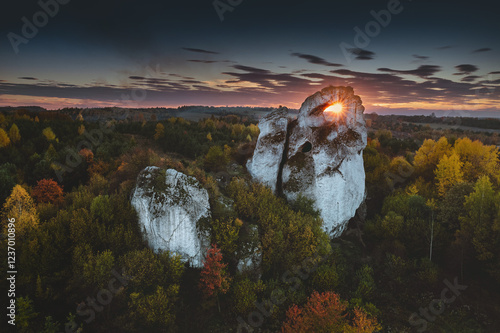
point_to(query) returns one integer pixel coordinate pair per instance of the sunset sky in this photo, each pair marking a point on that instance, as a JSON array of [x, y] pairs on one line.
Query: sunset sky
[[427, 56]]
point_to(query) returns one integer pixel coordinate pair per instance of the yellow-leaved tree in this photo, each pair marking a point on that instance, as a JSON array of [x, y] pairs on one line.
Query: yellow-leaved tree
[[48, 134], [81, 129], [20, 206], [478, 159], [4, 138], [14, 134], [448, 173], [429, 154], [159, 131]]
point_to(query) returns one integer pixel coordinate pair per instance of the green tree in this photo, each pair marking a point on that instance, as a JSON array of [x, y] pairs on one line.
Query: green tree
[[102, 209], [148, 269], [452, 206], [325, 278], [245, 294], [156, 310], [7, 180], [97, 269], [225, 234], [50, 154], [366, 283], [25, 312], [481, 225], [50, 325], [287, 237], [215, 159]]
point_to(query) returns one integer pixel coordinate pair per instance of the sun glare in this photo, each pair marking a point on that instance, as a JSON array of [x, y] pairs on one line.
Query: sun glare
[[334, 108]]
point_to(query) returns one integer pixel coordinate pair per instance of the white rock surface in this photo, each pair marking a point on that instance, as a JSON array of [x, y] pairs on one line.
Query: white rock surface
[[169, 205], [265, 162], [323, 156]]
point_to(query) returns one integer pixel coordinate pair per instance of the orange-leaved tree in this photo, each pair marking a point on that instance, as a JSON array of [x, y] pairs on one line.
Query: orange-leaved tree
[[87, 154], [214, 278], [47, 190], [326, 312]]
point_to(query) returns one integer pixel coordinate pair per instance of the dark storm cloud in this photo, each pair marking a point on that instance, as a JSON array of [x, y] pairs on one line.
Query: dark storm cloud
[[422, 71], [315, 60], [361, 54], [470, 78], [484, 49], [199, 50], [133, 77], [496, 72], [27, 78], [465, 69]]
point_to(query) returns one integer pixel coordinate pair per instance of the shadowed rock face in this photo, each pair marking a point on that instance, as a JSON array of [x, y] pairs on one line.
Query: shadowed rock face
[[169, 205], [321, 156]]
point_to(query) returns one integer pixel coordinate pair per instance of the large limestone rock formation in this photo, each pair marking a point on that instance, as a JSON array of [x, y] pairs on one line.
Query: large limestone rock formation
[[270, 147], [169, 205], [321, 158]]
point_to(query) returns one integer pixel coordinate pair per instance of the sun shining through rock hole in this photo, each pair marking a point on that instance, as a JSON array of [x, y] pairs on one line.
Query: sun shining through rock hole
[[335, 108]]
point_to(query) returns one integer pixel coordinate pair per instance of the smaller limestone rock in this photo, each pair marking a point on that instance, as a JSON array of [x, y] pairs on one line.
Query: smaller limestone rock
[[169, 205]]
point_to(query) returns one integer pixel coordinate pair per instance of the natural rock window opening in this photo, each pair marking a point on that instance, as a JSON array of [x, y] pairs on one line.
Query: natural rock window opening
[[306, 147]]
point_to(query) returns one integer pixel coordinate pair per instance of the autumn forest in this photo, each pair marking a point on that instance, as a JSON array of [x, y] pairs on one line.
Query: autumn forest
[[425, 255]]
